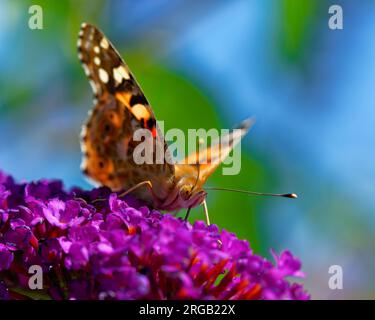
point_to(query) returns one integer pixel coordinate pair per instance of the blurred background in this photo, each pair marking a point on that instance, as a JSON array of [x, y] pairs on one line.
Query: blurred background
[[210, 64]]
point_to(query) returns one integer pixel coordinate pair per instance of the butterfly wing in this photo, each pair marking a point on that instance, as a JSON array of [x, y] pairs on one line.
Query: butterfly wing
[[205, 161], [120, 109]]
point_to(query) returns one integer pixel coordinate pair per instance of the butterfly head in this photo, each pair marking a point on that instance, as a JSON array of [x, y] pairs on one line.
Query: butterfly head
[[190, 191], [191, 196]]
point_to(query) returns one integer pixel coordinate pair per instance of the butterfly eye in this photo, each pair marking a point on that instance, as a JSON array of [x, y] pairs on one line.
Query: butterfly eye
[[107, 127]]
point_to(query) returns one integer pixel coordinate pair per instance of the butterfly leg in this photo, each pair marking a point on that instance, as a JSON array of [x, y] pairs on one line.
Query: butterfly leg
[[187, 214], [146, 183], [206, 212]]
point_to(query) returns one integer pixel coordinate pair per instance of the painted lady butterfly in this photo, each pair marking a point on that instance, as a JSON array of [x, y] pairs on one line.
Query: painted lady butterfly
[[107, 138]]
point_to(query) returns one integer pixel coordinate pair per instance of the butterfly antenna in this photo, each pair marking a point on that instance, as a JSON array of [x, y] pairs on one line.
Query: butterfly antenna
[[284, 195]]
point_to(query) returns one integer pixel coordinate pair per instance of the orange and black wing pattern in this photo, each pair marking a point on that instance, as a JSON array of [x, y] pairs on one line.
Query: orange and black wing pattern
[[120, 109]]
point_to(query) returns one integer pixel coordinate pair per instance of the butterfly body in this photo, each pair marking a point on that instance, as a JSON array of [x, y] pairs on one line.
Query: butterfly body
[[107, 138]]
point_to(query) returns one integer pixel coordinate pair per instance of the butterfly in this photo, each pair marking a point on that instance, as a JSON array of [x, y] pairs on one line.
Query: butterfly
[[107, 142]]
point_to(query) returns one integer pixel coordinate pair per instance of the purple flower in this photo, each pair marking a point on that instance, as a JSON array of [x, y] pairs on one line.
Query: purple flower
[[6, 257], [95, 245], [63, 214], [4, 193], [4, 294]]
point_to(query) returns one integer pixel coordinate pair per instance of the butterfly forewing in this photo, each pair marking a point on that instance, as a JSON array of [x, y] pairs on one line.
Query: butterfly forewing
[[121, 108], [207, 158]]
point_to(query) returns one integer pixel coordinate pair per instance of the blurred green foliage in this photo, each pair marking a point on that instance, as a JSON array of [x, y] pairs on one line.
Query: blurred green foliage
[[298, 21]]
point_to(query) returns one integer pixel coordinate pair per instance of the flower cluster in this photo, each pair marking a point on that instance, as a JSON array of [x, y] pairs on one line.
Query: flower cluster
[[94, 245]]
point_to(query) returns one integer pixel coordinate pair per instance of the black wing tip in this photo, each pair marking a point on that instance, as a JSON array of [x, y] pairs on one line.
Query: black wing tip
[[290, 195], [87, 26]]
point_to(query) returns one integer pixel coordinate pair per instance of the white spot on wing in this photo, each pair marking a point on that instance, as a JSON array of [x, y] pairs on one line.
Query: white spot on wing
[[83, 131], [103, 75], [83, 164], [96, 49], [117, 75], [140, 111], [93, 86], [120, 73], [97, 61], [91, 36], [86, 69], [124, 72], [104, 43], [83, 147]]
